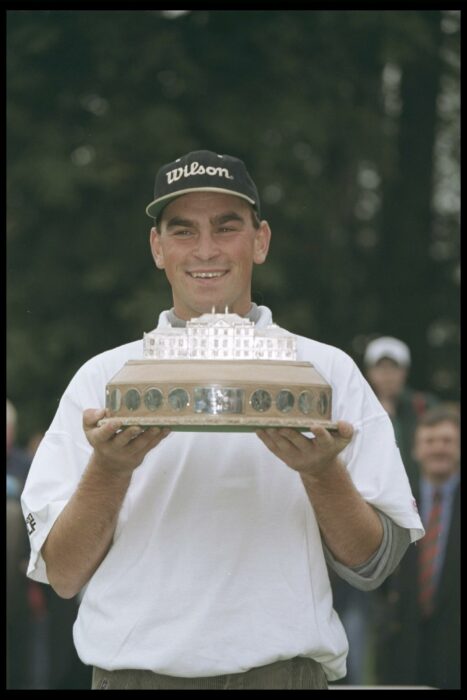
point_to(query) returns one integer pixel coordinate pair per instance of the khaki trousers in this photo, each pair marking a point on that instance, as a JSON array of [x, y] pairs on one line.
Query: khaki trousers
[[299, 673]]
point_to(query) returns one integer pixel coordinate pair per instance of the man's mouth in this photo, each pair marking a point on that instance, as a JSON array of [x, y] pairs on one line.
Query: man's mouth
[[207, 275]]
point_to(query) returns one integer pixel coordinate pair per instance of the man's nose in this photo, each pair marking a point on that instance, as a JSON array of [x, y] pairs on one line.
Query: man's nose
[[206, 246]]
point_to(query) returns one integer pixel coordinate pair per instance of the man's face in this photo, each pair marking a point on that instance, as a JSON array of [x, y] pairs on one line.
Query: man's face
[[437, 450], [387, 378], [207, 245]]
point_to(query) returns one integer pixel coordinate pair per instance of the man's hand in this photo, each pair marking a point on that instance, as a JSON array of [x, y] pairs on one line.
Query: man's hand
[[308, 456], [118, 448]]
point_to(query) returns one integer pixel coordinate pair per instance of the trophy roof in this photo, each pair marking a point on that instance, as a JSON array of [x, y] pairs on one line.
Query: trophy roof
[[220, 336], [219, 319]]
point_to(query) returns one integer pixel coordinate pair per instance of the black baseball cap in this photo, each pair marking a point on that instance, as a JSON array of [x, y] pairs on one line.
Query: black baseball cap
[[202, 171]]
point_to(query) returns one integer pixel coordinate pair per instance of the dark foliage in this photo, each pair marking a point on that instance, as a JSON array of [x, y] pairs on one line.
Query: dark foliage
[[348, 121]]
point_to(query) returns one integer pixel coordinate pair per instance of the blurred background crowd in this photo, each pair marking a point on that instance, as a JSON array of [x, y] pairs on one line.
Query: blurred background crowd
[[348, 121]]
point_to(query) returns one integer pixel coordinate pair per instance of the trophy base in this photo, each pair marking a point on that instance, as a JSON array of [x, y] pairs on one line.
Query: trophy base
[[227, 424]]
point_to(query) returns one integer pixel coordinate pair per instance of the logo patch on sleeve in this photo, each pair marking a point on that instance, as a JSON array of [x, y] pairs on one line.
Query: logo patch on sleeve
[[30, 523]]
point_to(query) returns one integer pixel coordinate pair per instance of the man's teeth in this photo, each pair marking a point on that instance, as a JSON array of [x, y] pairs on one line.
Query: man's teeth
[[206, 274]]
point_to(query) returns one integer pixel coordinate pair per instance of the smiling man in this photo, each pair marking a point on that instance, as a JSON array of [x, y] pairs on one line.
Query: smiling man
[[207, 243], [203, 558], [208, 234]]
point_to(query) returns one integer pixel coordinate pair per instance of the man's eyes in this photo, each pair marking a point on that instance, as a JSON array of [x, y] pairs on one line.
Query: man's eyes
[[186, 233]]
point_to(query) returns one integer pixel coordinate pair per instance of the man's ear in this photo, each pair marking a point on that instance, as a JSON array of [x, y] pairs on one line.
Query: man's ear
[[261, 243], [156, 248]]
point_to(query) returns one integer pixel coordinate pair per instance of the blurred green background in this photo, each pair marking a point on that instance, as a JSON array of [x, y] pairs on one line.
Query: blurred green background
[[347, 120]]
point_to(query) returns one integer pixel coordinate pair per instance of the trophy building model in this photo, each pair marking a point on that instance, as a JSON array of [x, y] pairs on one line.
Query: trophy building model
[[220, 373]]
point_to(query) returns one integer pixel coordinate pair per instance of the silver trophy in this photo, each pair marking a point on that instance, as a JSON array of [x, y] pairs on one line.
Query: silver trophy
[[220, 373]]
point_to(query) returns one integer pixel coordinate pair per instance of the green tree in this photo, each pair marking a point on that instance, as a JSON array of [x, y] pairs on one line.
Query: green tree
[[339, 115]]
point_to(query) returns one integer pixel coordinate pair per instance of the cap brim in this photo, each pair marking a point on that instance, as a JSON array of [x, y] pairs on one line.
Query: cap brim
[[154, 209]]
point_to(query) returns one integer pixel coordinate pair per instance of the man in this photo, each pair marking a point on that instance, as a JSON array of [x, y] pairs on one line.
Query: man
[[387, 363], [420, 622], [204, 554]]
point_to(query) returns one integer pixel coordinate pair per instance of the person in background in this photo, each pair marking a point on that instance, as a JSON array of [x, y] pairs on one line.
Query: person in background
[[40, 650], [17, 547], [17, 551], [387, 363], [203, 555], [56, 665], [418, 640], [18, 460]]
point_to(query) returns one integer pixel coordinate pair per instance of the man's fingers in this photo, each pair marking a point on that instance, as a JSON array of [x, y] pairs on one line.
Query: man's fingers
[[98, 435], [156, 435], [345, 429], [320, 433], [92, 416], [344, 432], [267, 438], [289, 441], [140, 438], [129, 434]]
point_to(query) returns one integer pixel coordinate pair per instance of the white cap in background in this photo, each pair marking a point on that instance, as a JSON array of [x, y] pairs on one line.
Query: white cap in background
[[387, 347]]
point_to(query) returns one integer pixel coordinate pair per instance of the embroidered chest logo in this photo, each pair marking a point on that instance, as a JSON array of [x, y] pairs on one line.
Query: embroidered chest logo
[[30, 524], [197, 169]]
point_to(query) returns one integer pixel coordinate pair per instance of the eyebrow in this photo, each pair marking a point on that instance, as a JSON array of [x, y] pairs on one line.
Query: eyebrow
[[228, 216], [215, 220], [177, 221]]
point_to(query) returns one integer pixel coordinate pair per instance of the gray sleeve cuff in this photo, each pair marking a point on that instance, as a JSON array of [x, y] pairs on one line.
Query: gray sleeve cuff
[[376, 569]]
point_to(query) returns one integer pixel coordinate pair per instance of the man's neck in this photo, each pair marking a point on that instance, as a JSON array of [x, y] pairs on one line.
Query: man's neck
[[441, 481]]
